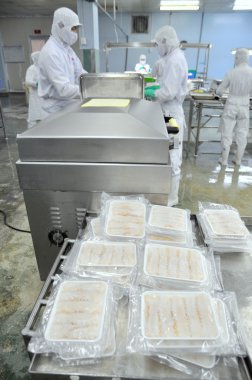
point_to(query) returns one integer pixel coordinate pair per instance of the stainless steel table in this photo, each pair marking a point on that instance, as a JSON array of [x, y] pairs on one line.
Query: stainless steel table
[[198, 102]]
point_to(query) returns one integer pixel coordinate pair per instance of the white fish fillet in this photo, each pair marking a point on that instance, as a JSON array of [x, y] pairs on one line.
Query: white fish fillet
[[178, 315], [126, 219], [226, 222], [174, 263], [78, 311], [107, 254], [169, 218]]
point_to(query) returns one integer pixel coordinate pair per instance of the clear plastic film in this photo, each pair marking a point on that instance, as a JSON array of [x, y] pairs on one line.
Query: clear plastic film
[[196, 366], [223, 228], [96, 229], [87, 231], [175, 322], [171, 221], [170, 267], [93, 229], [105, 259], [78, 321], [123, 217]]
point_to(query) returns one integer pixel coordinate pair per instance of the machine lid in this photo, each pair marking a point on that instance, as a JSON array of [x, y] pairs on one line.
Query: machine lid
[[133, 124], [139, 119]]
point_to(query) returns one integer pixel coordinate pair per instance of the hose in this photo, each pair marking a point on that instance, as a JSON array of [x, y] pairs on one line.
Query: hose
[[12, 227]]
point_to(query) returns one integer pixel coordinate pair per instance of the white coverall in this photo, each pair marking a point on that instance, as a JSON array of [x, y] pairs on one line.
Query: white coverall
[[60, 68], [173, 89], [236, 110], [158, 69], [142, 67], [35, 112]]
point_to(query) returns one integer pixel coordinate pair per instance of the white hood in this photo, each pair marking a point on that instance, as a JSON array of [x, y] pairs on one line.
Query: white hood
[[167, 40], [63, 20]]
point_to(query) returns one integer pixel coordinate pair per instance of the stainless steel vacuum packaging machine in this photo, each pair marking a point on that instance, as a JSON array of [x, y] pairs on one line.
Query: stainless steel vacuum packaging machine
[[70, 158]]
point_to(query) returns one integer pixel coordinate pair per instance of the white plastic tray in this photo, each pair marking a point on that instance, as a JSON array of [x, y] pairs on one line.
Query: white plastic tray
[[107, 254], [168, 218], [226, 223], [126, 219], [78, 312], [174, 263], [178, 316]]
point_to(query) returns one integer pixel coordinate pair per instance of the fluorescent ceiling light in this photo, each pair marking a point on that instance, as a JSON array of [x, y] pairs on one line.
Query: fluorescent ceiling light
[[242, 5], [179, 8], [171, 5], [179, 2]]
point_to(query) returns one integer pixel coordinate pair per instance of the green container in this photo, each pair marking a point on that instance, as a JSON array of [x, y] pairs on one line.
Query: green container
[[149, 79]]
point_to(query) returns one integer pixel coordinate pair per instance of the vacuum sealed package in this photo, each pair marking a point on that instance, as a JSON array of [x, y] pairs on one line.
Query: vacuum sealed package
[[183, 322], [171, 267], [168, 220], [223, 228], [169, 225], [123, 217], [78, 321], [109, 260]]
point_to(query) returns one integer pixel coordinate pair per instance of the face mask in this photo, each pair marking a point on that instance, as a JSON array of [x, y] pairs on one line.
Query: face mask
[[161, 50], [69, 37]]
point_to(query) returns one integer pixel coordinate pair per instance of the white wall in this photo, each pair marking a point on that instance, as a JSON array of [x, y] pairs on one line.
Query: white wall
[[223, 30]]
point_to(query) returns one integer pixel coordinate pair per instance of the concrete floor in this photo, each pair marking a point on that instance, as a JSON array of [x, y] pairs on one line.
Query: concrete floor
[[202, 179]]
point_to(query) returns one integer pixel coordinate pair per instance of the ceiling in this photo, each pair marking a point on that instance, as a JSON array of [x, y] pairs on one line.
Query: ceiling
[[32, 8]]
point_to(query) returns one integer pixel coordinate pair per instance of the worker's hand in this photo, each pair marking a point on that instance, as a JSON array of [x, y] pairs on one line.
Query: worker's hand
[[149, 93]]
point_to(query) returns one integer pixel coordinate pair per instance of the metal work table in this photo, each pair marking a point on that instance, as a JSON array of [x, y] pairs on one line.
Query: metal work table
[[198, 102], [236, 277]]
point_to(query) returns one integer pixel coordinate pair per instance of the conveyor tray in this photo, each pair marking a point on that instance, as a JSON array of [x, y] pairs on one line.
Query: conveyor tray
[[46, 367]]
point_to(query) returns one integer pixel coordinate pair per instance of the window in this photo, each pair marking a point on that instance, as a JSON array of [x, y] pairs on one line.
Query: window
[[140, 24]]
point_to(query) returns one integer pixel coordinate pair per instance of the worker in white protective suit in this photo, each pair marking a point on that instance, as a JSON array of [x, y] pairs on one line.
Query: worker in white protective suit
[[60, 68], [173, 88], [35, 112], [142, 67], [158, 69], [236, 111]]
